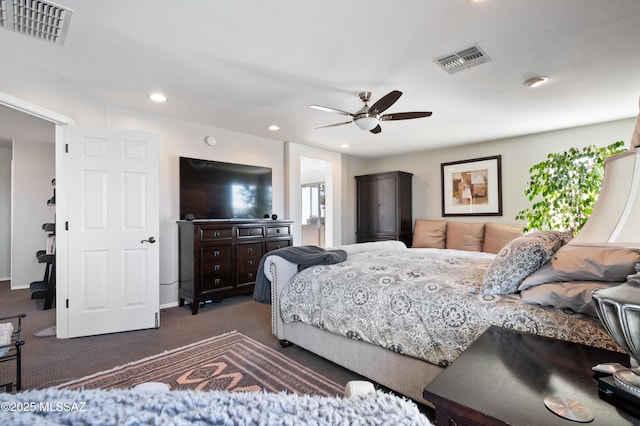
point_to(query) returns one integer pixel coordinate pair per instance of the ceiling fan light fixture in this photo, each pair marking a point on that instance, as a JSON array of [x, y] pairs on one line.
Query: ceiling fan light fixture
[[536, 81], [368, 118], [367, 121]]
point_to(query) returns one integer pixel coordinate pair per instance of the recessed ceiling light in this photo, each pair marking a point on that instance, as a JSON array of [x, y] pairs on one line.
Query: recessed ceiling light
[[157, 97], [344, 146], [536, 81], [273, 127]]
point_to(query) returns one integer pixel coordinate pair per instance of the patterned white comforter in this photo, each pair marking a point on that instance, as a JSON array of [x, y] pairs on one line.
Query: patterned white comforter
[[425, 303]]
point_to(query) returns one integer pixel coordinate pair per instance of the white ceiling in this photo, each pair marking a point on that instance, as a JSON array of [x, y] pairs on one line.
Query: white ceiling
[[245, 64]]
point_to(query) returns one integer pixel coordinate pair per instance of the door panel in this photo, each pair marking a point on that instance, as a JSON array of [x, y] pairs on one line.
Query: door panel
[[95, 267], [386, 206], [113, 211]]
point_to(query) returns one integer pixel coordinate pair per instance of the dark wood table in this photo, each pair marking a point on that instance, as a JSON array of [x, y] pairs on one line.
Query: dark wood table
[[505, 375]]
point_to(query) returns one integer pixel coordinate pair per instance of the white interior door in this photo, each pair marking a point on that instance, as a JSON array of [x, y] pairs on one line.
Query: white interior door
[[113, 225]]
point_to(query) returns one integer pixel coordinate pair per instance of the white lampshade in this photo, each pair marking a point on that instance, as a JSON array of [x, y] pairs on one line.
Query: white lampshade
[[367, 122], [615, 219]]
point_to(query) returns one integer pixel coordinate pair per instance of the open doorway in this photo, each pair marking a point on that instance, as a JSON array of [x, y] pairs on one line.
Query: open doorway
[[27, 154], [313, 200], [313, 214]]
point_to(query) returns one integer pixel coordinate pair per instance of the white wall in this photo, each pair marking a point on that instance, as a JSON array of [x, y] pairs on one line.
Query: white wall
[[518, 155], [5, 213], [180, 138], [33, 169]]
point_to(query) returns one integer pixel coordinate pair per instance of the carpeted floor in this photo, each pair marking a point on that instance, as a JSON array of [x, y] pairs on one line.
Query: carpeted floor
[[49, 361], [231, 362]]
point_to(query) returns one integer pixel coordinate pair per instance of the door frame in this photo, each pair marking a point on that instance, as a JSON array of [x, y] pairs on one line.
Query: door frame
[[60, 122], [333, 190]]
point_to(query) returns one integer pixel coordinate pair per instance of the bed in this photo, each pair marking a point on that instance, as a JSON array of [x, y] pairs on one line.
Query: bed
[[399, 315]]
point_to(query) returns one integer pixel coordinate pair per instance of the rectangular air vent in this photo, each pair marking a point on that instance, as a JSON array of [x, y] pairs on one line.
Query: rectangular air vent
[[36, 18], [464, 59]]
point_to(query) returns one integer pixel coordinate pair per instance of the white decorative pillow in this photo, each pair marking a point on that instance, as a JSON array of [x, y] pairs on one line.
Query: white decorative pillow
[[519, 258], [575, 295], [585, 263]]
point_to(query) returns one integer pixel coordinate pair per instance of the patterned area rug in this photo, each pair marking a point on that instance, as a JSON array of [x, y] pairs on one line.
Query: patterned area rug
[[232, 362]]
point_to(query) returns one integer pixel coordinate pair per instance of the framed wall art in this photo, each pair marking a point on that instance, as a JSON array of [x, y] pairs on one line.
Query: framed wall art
[[472, 187]]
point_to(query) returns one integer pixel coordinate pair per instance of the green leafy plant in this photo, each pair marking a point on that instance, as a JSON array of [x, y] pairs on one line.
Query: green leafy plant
[[565, 187]]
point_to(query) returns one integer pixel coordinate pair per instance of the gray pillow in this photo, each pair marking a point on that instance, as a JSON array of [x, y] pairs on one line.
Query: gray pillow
[[585, 263], [519, 258], [575, 295]]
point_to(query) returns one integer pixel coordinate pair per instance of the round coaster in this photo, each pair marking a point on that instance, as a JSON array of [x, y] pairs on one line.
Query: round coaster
[[568, 409]]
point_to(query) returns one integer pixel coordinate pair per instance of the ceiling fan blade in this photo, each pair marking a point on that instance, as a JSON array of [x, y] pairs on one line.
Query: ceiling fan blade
[[405, 115], [386, 101], [376, 129], [334, 125], [327, 109]]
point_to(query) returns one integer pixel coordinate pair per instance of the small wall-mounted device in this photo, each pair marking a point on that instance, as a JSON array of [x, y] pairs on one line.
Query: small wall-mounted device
[[210, 140]]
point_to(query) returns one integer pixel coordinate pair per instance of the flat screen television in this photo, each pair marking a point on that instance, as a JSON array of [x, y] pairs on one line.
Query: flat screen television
[[217, 190]]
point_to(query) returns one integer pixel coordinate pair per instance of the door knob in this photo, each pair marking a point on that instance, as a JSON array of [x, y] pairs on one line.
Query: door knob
[[151, 240]]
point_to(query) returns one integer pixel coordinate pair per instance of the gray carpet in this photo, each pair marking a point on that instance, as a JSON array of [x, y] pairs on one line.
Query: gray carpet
[[50, 361]]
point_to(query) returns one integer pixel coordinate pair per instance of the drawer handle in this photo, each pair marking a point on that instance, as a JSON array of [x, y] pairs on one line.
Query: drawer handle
[[250, 250], [277, 231], [250, 232], [216, 253], [250, 275], [277, 247], [216, 267], [216, 234], [216, 281], [250, 263]]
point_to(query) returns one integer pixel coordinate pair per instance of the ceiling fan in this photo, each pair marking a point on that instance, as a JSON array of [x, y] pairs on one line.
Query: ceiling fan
[[369, 117]]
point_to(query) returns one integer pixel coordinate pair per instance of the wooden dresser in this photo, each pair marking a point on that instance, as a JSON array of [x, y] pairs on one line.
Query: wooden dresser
[[384, 207], [220, 258]]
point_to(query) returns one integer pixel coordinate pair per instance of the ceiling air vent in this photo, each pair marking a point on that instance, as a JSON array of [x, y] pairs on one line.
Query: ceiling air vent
[[464, 59], [35, 18]]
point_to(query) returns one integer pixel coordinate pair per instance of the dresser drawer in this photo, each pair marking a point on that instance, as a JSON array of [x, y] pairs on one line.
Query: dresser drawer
[[215, 268], [244, 277], [215, 233], [249, 250], [251, 232], [278, 231], [215, 254], [248, 264], [274, 245], [215, 282]]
